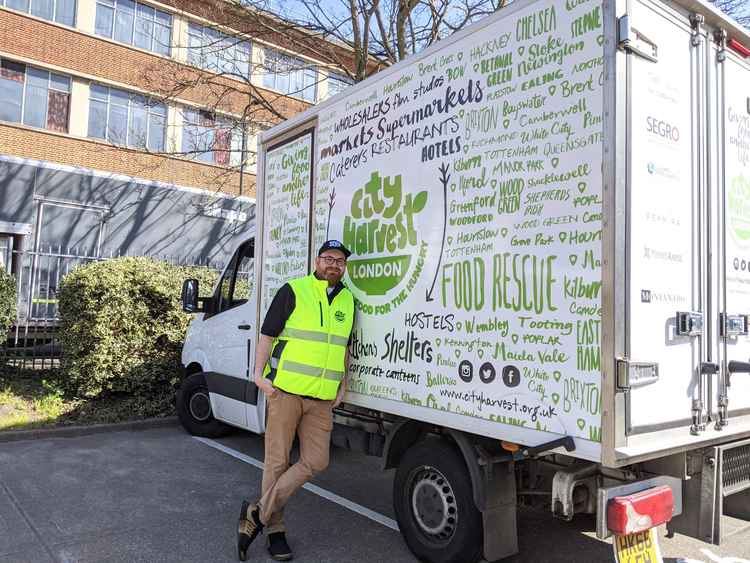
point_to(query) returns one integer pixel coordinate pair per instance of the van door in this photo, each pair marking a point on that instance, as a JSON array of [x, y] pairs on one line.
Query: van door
[[733, 395], [230, 343], [666, 236]]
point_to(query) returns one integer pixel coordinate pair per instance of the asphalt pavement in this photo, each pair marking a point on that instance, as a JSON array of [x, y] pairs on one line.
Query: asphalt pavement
[[162, 495]]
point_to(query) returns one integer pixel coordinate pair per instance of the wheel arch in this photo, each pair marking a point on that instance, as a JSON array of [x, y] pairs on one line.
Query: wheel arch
[[407, 433]]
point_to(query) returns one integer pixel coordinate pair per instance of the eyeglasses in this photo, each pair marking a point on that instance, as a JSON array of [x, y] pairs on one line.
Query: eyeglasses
[[330, 261]]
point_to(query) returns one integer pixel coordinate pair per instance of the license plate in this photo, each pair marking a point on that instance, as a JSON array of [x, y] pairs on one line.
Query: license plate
[[642, 547]]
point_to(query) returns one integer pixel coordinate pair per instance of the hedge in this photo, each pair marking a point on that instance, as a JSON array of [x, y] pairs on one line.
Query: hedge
[[7, 302], [122, 325]]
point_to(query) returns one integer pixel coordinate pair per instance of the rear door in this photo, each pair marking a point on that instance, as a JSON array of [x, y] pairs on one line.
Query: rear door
[[733, 394], [666, 235]]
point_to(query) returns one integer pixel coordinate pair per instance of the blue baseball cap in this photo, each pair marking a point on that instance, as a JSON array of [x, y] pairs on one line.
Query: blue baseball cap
[[334, 245]]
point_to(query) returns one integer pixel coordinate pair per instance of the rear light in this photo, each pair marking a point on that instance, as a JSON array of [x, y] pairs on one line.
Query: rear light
[[640, 511], [739, 48]]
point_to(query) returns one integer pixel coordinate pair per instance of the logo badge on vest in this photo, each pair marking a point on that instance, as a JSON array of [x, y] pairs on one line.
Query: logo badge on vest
[[340, 316]]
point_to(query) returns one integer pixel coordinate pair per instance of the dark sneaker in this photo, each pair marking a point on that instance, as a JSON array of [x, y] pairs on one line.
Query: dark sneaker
[[248, 528], [278, 548]]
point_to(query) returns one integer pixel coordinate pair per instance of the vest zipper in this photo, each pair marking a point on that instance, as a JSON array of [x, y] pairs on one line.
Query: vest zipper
[[320, 305]]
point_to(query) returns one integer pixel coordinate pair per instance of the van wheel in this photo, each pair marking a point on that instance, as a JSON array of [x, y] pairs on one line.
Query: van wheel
[[194, 409], [434, 504]]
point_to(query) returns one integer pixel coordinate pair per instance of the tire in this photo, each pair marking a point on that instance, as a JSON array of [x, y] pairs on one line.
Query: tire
[[194, 409], [434, 504]]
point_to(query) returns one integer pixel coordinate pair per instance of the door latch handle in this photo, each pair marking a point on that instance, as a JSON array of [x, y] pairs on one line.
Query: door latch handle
[[244, 327], [738, 367]]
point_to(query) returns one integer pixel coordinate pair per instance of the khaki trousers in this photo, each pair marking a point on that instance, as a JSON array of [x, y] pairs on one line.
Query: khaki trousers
[[312, 421]]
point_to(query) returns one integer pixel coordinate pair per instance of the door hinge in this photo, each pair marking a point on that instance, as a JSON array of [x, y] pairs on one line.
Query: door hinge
[[720, 37], [633, 41], [733, 325], [689, 323], [632, 374]]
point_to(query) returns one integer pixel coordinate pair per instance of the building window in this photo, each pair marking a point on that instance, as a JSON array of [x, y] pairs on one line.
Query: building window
[[290, 75], [337, 84], [60, 11], [211, 139], [34, 97], [134, 23], [215, 51], [127, 119]]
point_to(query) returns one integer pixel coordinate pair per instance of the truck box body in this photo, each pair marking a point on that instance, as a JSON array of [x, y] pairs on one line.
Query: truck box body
[[532, 204]]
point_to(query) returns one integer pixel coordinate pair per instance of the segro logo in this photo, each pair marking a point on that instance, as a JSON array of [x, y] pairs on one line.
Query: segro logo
[[662, 129]]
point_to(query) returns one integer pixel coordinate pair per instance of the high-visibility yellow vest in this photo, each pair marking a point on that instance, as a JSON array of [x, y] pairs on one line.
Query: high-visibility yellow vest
[[313, 341]]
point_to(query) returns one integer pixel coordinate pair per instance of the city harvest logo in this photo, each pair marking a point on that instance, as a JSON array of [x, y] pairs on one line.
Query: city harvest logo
[[381, 228], [663, 129], [340, 316], [738, 210], [663, 171]]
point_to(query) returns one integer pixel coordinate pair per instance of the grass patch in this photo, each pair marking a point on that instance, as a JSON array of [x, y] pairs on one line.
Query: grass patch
[[32, 399]]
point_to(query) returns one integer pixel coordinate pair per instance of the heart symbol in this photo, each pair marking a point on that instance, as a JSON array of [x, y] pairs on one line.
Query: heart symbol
[[480, 352], [557, 375], [457, 353], [573, 259], [450, 240], [555, 398], [438, 341], [555, 162], [563, 236], [506, 123], [581, 186], [461, 114], [460, 55], [476, 67], [514, 338], [552, 89], [581, 424], [458, 326], [466, 149], [504, 231], [600, 40], [521, 51]]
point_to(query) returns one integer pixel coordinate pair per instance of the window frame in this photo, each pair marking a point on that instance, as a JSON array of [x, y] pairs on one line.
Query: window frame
[[49, 88], [220, 305], [54, 18], [241, 68], [283, 56], [128, 119], [190, 122], [337, 77], [136, 15]]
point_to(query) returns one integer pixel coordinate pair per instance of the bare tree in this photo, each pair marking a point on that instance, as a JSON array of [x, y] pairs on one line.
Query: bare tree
[[738, 9], [228, 92], [386, 30]]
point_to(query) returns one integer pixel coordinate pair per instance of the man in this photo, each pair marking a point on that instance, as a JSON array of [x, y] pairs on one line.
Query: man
[[308, 325]]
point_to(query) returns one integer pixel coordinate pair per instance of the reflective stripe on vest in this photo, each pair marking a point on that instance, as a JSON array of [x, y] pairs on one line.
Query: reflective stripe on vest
[[314, 339]]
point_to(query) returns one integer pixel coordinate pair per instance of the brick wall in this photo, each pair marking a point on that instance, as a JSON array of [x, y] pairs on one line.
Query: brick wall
[[80, 53], [40, 145]]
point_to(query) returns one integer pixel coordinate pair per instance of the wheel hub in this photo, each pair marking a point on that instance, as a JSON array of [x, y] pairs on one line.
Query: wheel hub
[[434, 504], [200, 406]]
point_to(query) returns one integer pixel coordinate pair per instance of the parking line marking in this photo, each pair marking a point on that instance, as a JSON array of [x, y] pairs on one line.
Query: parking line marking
[[323, 493]]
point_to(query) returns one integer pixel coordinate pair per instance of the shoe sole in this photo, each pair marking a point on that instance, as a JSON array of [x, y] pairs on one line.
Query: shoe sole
[[242, 553]]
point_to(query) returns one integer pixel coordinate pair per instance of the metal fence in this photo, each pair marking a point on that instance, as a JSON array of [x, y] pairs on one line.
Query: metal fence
[[32, 342]]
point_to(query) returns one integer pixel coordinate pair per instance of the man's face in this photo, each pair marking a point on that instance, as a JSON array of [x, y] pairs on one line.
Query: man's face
[[331, 266]]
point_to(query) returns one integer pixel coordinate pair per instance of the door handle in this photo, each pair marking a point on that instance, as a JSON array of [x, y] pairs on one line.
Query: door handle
[[738, 367], [244, 327]]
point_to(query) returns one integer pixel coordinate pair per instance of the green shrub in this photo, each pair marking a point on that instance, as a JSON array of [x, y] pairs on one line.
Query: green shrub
[[122, 326], [7, 302]]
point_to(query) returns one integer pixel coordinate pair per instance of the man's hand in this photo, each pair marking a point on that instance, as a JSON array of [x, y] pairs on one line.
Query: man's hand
[[265, 385], [339, 397]]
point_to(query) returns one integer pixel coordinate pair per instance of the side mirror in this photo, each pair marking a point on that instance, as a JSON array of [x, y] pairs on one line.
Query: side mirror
[[190, 296]]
